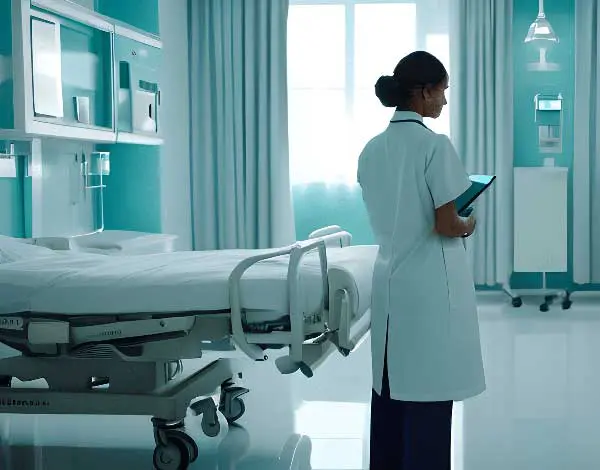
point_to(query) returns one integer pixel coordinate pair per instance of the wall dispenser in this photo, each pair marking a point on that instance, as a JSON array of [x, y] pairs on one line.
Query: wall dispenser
[[549, 120]]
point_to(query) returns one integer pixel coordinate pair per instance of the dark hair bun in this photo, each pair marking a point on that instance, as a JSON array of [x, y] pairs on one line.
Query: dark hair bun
[[417, 69], [389, 91]]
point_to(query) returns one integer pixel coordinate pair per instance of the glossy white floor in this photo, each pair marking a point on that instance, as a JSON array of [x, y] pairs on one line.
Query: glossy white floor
[[541, 410]]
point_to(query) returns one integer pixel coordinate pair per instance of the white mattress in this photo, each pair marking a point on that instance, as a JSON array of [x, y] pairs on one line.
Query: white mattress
[[73, 283]]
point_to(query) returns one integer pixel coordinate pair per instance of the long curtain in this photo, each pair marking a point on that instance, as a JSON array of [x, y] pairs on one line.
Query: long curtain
[[586, 177], [482, 125], [241, 195]]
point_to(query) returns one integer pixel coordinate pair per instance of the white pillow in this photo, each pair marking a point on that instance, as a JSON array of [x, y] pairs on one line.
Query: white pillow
[[17, 249]]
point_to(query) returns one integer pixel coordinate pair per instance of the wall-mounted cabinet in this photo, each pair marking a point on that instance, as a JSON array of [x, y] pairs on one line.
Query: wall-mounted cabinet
[[77, 75]]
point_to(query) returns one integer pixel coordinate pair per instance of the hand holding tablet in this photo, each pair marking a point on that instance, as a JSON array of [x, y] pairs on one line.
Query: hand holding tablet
[[479, 183]]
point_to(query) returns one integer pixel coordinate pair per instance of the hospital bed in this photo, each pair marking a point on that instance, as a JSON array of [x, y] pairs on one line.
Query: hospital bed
[[108, 334]]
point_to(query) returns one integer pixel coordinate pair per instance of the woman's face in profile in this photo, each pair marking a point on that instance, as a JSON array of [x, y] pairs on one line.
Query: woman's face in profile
[[436, 100]]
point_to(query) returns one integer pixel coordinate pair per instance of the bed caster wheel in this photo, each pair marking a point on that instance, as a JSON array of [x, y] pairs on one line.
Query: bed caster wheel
[[231, 405], [517, 302], [210, 418], [176, 452], [566, 305], [210, 425], [544, 307], [233, 409]]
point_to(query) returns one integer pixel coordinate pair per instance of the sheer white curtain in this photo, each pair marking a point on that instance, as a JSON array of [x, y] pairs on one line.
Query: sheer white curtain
[[586, 167], [337, 49], [482, 125]]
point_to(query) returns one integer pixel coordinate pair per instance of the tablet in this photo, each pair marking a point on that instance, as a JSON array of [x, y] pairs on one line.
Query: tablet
[[479, 183]]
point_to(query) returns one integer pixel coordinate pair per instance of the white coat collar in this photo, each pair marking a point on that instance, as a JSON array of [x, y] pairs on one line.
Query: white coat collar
[[401, 115]]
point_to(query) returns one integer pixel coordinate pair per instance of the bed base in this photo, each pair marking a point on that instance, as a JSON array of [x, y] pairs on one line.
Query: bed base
[[126, 367], [159, 395]]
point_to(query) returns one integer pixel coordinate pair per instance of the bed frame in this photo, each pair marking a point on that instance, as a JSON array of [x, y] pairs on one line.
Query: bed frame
[[129, 367]]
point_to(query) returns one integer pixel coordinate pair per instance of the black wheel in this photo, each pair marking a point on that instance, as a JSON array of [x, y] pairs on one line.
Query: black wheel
[[517, 302], [5, 381], [177, 453], [544, 307], [236, 410], [231, 405], [566, 305], [210, 424]]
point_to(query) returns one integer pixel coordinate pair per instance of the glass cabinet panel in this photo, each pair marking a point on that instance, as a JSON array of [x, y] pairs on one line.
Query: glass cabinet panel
[[73, 71]]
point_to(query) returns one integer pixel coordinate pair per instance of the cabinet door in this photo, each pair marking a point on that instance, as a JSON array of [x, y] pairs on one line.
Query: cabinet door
[[138, 66], [72, 72], [47, 68], [87, 75]]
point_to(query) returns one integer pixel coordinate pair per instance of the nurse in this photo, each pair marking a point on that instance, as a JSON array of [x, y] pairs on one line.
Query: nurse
[[425, 344]]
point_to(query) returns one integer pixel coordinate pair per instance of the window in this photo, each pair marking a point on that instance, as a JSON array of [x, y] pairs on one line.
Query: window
[[336, 51]]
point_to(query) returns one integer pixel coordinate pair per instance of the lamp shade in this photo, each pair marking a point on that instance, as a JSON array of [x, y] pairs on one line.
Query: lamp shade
[[541, 30]]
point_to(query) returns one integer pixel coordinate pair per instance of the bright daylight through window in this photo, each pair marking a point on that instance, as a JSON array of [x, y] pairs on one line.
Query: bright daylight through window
[[337, 49]]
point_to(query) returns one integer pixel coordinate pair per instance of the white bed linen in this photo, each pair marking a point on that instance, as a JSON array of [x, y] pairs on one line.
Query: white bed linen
[[73, 283]]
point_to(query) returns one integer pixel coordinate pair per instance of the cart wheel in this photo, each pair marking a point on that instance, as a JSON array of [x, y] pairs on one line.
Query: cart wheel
[[544, 307], [177, 453], [210, 425], [231, 405], [517, 302], [210, 417], [236, 410], [5, 381], [566, 305]]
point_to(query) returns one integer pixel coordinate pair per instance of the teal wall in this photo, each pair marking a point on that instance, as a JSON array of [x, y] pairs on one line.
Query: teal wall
[[132, 196], [11, 216], [6, 86], [561, 14], [15, 193], [142, 14]]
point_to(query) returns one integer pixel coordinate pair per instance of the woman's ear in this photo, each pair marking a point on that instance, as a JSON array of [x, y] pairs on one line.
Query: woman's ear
[[425, 94]]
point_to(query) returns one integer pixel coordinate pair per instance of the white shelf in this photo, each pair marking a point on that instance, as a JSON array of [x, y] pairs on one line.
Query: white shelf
[[128, 138], [64, 131]]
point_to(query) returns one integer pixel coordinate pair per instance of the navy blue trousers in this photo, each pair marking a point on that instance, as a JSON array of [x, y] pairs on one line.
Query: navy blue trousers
[[409, 435]]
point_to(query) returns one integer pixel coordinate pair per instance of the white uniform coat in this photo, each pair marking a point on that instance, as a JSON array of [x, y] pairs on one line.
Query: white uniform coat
[[423, 297]]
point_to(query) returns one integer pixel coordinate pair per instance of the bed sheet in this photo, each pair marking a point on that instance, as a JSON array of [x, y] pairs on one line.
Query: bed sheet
[[74, 283]]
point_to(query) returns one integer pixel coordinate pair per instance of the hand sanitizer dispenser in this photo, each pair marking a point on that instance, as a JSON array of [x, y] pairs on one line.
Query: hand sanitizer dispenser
[[549, 120]]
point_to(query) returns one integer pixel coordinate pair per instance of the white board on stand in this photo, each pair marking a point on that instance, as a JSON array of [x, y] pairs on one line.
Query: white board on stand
[[540, 224]]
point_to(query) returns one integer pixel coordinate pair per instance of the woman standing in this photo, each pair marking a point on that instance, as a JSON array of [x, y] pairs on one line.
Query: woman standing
[[426, 350]]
